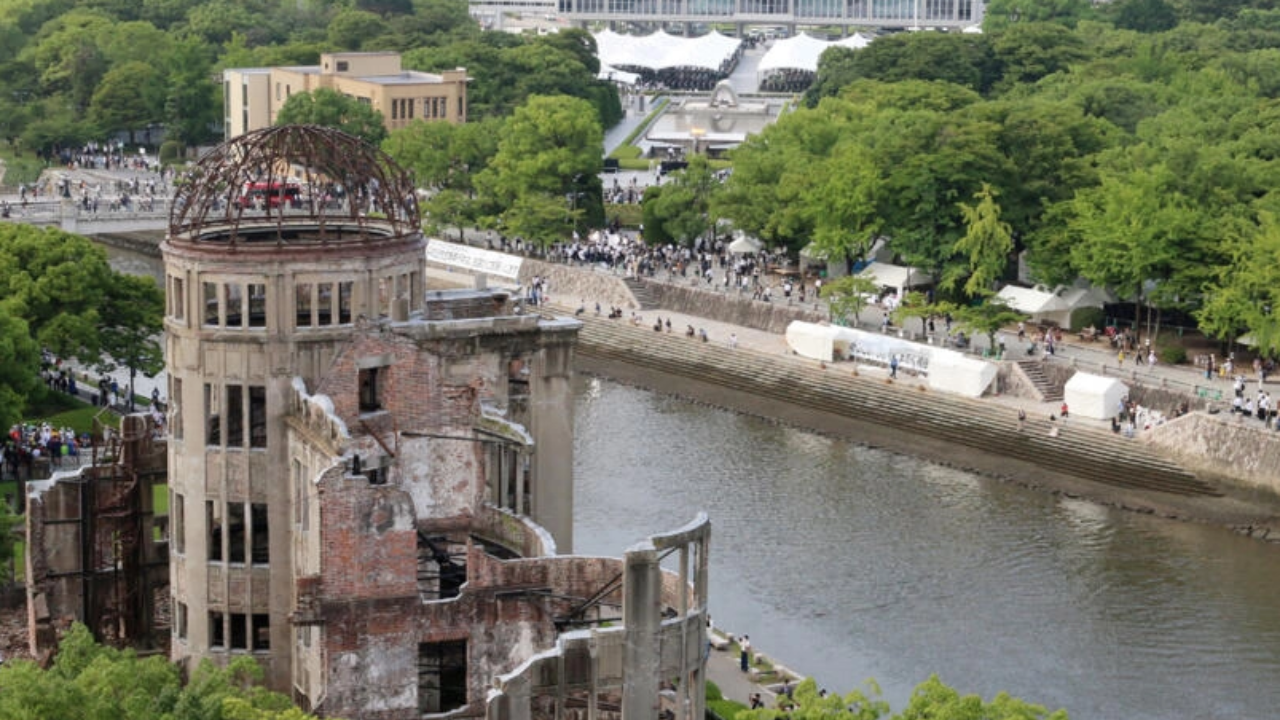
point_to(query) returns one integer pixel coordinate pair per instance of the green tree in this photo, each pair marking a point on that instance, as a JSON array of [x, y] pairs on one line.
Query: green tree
[[331, 108], [128, 98], [549, 156], [131, 324], [19, 373], [192, 104], [681, 211], [848, 296], [1146, 16], [1244, 296], [351, 29], [986, 318], [986, 246], [91, 681], [1001, 14]]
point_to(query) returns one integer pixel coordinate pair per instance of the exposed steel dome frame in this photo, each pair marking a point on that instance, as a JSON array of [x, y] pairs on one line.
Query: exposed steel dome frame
[[294, 184]]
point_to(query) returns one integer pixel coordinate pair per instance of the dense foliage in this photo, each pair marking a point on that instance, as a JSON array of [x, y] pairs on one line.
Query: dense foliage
[[1107, 143], [58, 293], [88, 680], [73, 71]]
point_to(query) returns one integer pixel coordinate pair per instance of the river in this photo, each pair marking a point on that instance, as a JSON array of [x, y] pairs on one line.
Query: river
[[848, 563]]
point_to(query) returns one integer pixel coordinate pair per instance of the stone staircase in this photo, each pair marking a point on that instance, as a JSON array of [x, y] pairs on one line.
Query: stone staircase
[[1049, 390], [1094, 454], [640, 289]]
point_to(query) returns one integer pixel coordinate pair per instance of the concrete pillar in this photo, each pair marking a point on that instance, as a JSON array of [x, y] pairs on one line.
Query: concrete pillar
[[642, 616], [551, 424]]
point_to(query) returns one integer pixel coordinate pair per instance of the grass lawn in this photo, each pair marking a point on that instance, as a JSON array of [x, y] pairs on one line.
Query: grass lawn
[[61, 410], [20, 166]]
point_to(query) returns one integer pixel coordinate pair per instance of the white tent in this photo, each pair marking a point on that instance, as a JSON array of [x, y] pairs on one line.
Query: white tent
[[661, 51], [1056, 306], [1094, 396], [856, 41], [897, 277], [946, 370], [745, 244], [794, 53], [957, 373], [613, 74]]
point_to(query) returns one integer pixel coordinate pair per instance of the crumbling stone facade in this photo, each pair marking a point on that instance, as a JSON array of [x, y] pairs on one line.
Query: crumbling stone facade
[[371, 481]]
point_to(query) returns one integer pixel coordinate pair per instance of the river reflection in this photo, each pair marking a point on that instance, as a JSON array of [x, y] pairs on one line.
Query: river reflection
[[851, 563]]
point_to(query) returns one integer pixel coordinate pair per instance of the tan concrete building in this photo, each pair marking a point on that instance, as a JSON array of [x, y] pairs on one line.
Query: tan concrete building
[[252, 97]]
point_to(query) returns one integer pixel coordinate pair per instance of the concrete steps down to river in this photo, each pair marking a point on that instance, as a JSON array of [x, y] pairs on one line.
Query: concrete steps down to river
[[1091, 454]]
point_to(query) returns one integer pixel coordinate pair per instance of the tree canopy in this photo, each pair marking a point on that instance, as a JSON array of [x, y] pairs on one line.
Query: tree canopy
[[58, 293], [88, 680], [1108, 144], [331, 108]]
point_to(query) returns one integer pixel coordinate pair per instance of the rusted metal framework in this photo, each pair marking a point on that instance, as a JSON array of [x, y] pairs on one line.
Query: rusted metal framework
[[294, 183]]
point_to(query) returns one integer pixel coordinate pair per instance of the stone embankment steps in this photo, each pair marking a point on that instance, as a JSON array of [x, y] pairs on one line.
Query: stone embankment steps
[[643, 295], [1103, 457], [1050, 391]]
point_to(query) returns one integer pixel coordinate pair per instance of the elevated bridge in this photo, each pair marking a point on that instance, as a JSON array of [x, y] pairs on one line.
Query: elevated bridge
[[72, 217]]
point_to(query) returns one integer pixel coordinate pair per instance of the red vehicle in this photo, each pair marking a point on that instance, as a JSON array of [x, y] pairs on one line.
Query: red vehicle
[[270, 194]]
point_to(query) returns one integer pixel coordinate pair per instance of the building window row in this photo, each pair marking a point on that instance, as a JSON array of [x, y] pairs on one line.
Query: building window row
[[403, 108], [231, 538], [235, 631], [229, 410], [405, 285], [322, 304], [235, 305]]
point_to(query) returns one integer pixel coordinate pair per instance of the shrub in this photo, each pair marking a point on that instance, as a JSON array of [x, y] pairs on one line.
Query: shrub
[[172, 151], [1172, 354]]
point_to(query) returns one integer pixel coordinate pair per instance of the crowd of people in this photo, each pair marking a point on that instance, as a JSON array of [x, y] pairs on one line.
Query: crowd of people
[[30, 445]]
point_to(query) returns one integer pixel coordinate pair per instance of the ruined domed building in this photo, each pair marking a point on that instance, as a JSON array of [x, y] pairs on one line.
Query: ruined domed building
[[371, 481]]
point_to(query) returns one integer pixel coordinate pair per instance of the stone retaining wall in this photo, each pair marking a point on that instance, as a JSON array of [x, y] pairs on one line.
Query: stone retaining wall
[[771, 317], [1209, 443], [570, 284]]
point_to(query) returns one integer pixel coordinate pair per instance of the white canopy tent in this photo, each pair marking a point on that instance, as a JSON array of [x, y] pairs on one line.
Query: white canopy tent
[[802, 52], [1056, 306], [794, 53], [946, 370], [1094, 396], [745, 245], [613, 74], [661, 51], [898, 278]]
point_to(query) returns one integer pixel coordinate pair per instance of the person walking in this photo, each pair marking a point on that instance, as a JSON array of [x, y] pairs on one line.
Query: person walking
[[893, 367], [744, 657]]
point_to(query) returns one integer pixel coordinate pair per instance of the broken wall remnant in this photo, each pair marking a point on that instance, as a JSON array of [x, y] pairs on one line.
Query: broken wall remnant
[[97, 550]]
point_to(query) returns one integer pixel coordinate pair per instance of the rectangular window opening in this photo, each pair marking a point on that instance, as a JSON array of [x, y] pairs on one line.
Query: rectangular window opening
[[175, 407], [257, 416], [302, 304], [211, 309], [260, 543], [324, 304], [344, 303], [261, 632], [236, 530], [180, 621], [212, 417], [370, 390], [217, 630], [213, 518], [239, 631], [257, 305], [235, 416], [234, 305], [179, 512], [442, 676]]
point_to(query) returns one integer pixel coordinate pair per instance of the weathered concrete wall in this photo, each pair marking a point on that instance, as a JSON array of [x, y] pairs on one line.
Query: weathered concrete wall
[[738, 310], [570, 284], [1208, 443]]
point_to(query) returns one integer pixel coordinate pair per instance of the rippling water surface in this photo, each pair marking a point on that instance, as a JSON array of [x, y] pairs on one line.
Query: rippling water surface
[[851, 563]]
